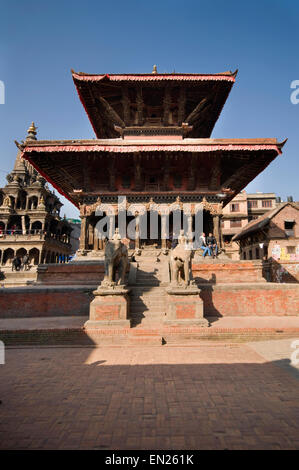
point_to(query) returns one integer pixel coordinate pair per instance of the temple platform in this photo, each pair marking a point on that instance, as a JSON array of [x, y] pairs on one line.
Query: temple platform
[[70, 331], [232, 294]]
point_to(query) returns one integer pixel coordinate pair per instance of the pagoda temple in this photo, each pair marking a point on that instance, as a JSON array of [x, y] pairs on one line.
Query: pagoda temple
[[153, 147], [30, 222]]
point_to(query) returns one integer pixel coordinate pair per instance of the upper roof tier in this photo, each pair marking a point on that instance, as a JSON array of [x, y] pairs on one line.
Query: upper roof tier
[[141, 104]]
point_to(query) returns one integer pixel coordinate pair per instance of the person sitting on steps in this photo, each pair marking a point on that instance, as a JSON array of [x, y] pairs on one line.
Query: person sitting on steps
[[212, 244], [203, 245]]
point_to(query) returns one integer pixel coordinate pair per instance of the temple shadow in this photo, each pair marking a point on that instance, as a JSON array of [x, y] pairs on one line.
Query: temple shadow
[[199, 403], [211, 313], [145, 281]]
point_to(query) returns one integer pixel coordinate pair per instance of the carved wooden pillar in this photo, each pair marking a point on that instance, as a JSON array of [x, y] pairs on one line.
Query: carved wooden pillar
[[191, 175], [126, 105], [83, 233], [137, 174], [166, 174], [140, 106], [182, 104], [111, 170], [215, 174], [166, 105]]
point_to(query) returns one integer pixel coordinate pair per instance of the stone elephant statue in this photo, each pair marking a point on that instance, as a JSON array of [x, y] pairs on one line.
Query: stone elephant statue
[[180, 263], [116, 261]]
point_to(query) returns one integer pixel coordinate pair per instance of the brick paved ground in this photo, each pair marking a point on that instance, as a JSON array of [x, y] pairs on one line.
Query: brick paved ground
[[211, 396]]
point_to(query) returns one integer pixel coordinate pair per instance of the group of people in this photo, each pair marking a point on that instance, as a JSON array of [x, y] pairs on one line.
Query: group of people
[[19, 263], [208, 245]]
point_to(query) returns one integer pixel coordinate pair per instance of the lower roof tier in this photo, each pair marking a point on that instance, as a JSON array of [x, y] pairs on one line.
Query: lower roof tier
[[113, 166]]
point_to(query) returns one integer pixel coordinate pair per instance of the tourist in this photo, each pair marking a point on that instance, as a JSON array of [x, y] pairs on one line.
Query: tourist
[[203, 245], [25, 262], [212, 244]]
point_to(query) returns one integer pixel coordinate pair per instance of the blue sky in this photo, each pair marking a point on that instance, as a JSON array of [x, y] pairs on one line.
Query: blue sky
[[40, 41]]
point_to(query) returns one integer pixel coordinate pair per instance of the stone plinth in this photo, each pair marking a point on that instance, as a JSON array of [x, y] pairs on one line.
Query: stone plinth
[[109, 308], [185, 307]]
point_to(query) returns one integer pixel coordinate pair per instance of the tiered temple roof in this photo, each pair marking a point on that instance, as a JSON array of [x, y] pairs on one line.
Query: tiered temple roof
[[152, 124]]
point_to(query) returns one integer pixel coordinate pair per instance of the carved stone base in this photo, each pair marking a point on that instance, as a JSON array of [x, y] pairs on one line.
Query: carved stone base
[[109, 308], [185, 307]]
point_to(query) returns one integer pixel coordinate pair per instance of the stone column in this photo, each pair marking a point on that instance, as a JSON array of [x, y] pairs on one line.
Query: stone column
[[95, 240], [23, 225], [111, 226], [83, 233], [137, 233], [163, 231], [189, 234], [221, 234], [216, 230]]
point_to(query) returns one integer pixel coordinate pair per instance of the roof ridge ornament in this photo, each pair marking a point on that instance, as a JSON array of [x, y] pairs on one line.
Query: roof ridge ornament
[[154, 71], [31, 133]]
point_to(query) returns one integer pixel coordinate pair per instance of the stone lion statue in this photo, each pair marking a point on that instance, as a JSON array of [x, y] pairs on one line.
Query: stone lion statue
[[180, 262], [116, 261]]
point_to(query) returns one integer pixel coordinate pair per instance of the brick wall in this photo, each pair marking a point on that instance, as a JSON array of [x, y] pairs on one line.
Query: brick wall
[[43, 302], [219, 300], [228, 272], [251, 299], [77, 273]]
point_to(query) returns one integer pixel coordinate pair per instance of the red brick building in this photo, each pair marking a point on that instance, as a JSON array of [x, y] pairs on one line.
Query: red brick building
[[274, 236]]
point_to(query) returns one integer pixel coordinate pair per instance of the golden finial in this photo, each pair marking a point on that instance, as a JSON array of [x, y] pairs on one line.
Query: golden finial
[[31, 133], [155, 69], [32, 128]]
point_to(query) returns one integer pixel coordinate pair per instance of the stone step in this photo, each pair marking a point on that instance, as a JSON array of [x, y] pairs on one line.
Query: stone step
[[147, 312], [147, 291], [148, 303], [150, 281]]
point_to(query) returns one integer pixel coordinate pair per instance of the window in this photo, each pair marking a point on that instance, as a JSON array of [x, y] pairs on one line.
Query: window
[[291, 250], [234, 207], [126, 181], [177, 181], [252, 204], [257, 253], [235, 223], [244, 255], [250, 254], [265, 252], [266, 203], [289, 228]]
